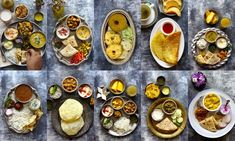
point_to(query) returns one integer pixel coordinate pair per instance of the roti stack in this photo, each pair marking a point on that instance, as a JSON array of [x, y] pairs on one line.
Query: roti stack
[[71, 116]]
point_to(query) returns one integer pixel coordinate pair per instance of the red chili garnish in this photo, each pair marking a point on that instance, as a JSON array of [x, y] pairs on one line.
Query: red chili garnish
[[78, 57]]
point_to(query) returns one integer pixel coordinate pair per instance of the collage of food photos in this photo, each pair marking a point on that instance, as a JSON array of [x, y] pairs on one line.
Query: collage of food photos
[[117, 70]]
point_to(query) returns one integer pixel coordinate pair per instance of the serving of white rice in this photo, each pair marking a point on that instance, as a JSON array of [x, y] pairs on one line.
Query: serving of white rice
[[124, 125]]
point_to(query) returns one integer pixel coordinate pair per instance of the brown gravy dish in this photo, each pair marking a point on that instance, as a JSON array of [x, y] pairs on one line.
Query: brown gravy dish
[[23, 93]]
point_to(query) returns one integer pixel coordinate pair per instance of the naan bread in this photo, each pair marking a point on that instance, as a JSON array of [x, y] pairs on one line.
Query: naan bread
[[71, 40], [71, 110], [171, 48], [166, 126], [157, 45], [72, 128], [209, 124], [68, 51]]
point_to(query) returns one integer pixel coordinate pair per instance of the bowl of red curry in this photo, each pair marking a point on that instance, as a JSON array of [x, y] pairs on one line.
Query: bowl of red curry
[[23, 93]]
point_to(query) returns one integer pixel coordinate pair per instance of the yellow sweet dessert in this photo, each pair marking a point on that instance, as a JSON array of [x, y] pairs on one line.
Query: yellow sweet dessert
[[117, 86], [117, 22]]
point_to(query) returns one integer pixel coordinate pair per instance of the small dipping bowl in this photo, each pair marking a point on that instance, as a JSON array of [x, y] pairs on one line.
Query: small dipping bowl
[[117, 103], [125, 108], [225, 110], [104, 123], [64, 87], [165, 90], [6, 16], [55, 91], [107, 111], [161, 81], [165, 103], [211, 36], [221, 43], [116, 81], [27, 9], [168, 28], [206, 99], [85, 90], [38, 16], [83, 32], [23, 93], [62, 32]]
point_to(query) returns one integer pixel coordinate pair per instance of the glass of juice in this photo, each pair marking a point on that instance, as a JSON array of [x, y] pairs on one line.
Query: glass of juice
[[225, 22]]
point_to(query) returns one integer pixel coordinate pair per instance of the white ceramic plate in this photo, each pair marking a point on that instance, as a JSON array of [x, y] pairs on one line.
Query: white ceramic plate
[[194, 122], [181, 48]]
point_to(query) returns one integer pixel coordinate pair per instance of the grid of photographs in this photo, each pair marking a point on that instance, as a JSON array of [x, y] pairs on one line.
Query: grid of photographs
[[111, 70]]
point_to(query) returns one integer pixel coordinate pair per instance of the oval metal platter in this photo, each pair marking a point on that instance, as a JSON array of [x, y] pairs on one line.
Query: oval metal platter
[[87, 117], [150, 121], [105, 28], [199, 36], [54, 39], [36, 27], [6, 118]]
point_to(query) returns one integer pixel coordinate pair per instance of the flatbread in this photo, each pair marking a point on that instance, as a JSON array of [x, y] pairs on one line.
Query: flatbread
[[157, 45], [72, 128], [68, 51], [71, 110], [171, 48], [214, 59], [166, 126], [71, 40], [209, 124]]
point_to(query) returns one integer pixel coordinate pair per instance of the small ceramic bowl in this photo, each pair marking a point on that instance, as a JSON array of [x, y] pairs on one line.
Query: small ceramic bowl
[[164, 110], [211, 41], [73, 28], [27, 9], [115, 92], [114, 103], [55, 95], [85, 38], [38, 14], [205, 107], [85, 91], [64, 86], [61, 30], [18, 91], [131, 113], [168, 22], [6, 16], [104, 109]]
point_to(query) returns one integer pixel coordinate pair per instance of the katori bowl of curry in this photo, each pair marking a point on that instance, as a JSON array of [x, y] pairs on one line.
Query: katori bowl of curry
[[23, 93]]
